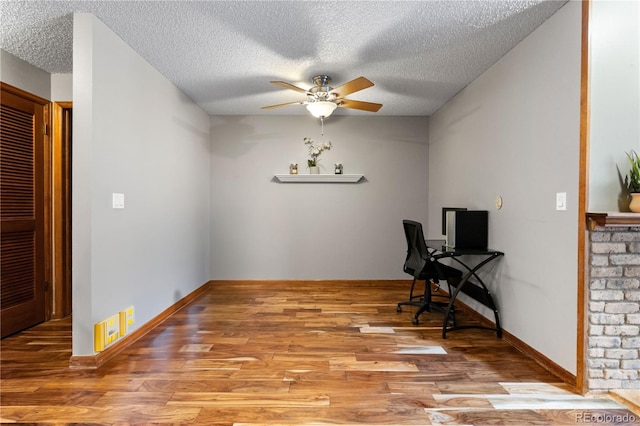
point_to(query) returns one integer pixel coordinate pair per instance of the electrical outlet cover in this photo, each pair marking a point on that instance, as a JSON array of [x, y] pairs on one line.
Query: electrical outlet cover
[[106, 332], [126, 320]]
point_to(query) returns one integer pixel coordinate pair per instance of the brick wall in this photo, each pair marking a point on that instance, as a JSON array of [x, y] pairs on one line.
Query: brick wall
[[613, 353]]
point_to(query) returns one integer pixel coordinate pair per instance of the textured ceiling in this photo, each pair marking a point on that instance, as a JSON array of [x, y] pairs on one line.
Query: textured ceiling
[[224, 53]]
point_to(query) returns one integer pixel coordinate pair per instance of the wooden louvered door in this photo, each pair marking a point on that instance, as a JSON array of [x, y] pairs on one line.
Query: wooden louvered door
[[22, 210]]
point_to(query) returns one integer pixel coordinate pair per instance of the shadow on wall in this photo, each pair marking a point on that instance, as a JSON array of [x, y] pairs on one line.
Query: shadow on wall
[[190, 128], [231, 138], [624, 197]]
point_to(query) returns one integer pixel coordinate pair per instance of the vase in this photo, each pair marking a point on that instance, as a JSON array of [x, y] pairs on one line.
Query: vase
[[314, 170], [634, 205]]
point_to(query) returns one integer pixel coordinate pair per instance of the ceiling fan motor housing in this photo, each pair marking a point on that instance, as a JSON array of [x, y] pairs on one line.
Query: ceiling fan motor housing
[[321, 91], [321, 80]]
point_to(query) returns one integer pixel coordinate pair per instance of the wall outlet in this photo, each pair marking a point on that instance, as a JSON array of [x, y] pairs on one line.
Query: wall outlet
[[105, 333], [126, 320]]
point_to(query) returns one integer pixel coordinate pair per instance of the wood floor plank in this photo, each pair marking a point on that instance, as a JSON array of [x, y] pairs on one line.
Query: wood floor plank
[[235, 399], [141, 397], [218, 385], [122, 383], [52, 397], [110, 415], [294, 353], [315, 416]]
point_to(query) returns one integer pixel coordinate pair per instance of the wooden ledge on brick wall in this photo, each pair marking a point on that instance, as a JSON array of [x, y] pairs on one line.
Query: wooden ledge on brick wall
[[612, 219]]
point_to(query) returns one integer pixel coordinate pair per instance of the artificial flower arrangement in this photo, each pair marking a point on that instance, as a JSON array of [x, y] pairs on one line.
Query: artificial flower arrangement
[[315, 149]]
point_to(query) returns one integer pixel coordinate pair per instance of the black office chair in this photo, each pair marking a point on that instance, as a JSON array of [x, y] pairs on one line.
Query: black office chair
[[420, 264]]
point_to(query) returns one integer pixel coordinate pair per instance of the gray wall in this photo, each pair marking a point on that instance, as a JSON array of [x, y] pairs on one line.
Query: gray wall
[[61, 87], [20, 74], [262, 229], [514, 132], [134, 133], [614, 81]]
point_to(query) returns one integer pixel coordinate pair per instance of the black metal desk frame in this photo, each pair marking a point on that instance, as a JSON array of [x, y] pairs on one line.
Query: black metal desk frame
[[478, 292]]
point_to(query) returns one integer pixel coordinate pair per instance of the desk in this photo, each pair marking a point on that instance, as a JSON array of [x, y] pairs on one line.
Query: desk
[[477, 291]]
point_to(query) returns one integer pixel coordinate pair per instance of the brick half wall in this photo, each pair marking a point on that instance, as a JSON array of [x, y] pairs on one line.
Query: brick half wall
[[613, 308]]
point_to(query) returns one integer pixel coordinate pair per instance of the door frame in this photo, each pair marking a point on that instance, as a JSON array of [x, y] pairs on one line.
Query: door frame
[[60, 300], [583, 191], [47, 192], [57, 203]]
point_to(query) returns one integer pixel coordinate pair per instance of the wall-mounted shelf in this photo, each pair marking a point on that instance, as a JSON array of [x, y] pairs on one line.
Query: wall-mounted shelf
[[351, 178]]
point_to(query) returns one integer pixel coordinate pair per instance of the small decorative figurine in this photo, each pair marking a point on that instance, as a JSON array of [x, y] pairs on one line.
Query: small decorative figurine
[[338, 168], [293, 168]]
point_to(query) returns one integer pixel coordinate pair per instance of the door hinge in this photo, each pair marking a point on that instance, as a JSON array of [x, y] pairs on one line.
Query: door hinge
[[46, 286], [45, 129]]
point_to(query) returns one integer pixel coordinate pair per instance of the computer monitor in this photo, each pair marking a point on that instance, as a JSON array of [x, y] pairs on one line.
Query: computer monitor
[[467, 229]]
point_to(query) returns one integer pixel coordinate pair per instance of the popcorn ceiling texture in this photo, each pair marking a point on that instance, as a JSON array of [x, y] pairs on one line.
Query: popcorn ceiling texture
[[223, 54]]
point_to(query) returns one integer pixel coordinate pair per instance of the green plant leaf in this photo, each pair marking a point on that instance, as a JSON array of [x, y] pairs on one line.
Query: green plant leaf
[[632, 180]]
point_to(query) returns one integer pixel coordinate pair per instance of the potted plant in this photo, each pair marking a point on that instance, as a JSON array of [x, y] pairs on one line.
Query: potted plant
[[314, 152], [632, 181]]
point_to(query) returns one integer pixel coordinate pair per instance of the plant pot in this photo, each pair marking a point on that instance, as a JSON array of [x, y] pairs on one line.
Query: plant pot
[[314, 170], [634, 205]]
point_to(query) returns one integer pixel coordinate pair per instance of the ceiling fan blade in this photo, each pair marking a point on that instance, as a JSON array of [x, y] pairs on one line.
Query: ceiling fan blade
[[282, 105], [366, 106], [352, 87], [289, 86]]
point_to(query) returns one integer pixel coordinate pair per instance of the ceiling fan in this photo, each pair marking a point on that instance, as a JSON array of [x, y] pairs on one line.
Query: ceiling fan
[[323, 99]]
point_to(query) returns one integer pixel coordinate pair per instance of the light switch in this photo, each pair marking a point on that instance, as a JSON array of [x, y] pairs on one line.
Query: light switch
[[561, 201], [118, 201]]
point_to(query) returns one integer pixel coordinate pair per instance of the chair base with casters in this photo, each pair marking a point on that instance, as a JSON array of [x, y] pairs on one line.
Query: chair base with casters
[[425, 303]]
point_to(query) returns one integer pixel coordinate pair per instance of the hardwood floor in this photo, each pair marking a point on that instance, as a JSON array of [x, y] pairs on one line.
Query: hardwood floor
[[296, 353]]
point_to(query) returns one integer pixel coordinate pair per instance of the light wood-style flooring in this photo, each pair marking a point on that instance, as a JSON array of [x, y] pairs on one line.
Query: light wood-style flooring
[[252, 353]]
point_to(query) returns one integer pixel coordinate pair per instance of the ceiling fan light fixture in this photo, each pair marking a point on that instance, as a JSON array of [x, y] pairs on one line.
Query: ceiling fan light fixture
[[321, 109]]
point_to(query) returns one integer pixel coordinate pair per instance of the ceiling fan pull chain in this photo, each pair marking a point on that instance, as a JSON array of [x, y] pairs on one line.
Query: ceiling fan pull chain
[[322, 126]]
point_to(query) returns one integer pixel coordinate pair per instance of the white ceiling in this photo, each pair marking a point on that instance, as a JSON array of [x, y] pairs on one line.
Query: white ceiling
[[223, 54]]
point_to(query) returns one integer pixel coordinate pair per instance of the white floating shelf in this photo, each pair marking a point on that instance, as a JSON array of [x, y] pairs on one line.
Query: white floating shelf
[[352, 178]]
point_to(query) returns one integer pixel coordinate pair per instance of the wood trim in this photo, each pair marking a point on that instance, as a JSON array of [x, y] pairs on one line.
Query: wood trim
[[541, 359], [402, 282], [626, 397], [61, 211], [23, 94], [583, 200], [47, 210], [97, 360], [611, 219]]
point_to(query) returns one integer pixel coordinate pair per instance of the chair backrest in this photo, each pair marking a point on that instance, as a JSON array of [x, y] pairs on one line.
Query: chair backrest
[[419, 261], [417, 253]]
